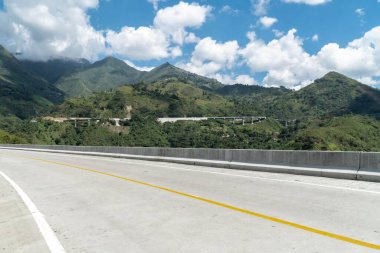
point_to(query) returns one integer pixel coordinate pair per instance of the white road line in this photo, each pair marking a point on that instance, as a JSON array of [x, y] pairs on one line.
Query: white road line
[[262, 178], [127, 161], [51, 240], [130, 161]]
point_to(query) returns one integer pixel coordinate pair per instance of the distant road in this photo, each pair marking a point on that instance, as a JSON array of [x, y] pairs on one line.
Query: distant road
[[95, 204]]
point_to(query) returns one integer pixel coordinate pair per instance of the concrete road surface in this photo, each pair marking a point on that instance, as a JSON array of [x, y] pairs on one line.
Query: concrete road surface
[[95, 204]]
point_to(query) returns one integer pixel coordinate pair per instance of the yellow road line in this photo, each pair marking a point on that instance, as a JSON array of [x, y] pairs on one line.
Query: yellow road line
[[241, 210]]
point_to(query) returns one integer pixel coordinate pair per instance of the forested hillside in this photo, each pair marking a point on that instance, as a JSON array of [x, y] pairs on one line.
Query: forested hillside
[[333, 113], [169, 98]]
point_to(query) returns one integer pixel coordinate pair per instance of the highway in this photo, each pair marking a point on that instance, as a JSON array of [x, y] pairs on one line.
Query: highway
[[97, 204]]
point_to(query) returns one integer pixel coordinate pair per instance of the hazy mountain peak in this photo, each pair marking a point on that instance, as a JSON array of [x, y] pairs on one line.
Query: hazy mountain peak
[[165, 65], [22, 92], [54, 69], [110, 60], [5, 53], [102, 75]]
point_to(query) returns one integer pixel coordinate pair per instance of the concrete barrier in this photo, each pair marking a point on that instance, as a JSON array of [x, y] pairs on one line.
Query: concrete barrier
[[344, 165], [369, 167]]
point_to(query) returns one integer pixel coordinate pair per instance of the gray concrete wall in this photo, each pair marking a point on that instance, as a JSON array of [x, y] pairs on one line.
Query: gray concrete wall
[[369, 167], [313, 159], [351, 165], [370, 162]]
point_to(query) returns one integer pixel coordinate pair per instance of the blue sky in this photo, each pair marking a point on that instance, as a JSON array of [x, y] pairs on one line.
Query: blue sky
[[335, 21], [248, 41]]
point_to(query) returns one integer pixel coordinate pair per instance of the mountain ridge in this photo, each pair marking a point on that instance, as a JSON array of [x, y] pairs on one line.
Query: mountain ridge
[[102, 75], [22, 92], [333, 113], [333, 94], [111, 72]]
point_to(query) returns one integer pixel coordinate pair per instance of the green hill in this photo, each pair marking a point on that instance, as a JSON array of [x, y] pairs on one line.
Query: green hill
[[102, 75], [22, 92], [332, 95], [343, 133], [111, 73], [169, 97], [167, 70], [336, 94], [333, 113]]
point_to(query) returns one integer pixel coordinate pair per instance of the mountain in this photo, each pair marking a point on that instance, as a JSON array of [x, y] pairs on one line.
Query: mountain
[[332, 95], [337, 94], [333, 113], [54, 69], [102, 75], [167, 70], [169, 97], [112, 73], [22, 92]]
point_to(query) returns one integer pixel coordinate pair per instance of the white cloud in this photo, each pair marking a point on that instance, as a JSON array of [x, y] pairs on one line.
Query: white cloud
[[287, 63], [360, 12], [245, 79], [268, 21], [228, 79], [176, 52], [229, 10], [360, 59], [278, 33], [308, 2], [41, 29], [260, 7], [155, 3], [192, 38], [143, 43], [284, 60], [175, 19], [209, 56], [315, 37], [162, 40], [368, 81], [138, 67]]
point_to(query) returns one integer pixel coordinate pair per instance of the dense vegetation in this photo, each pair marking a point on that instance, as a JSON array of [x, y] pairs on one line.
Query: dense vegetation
[[332, 95], [333, 113], [162, 98], [100, 76], [338, 133]]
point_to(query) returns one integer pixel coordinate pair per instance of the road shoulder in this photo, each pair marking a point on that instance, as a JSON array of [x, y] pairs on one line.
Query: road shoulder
[[18, 230]]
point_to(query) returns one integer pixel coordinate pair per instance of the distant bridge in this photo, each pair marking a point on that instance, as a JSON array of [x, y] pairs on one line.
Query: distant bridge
[[243, 119], [88, 120]]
